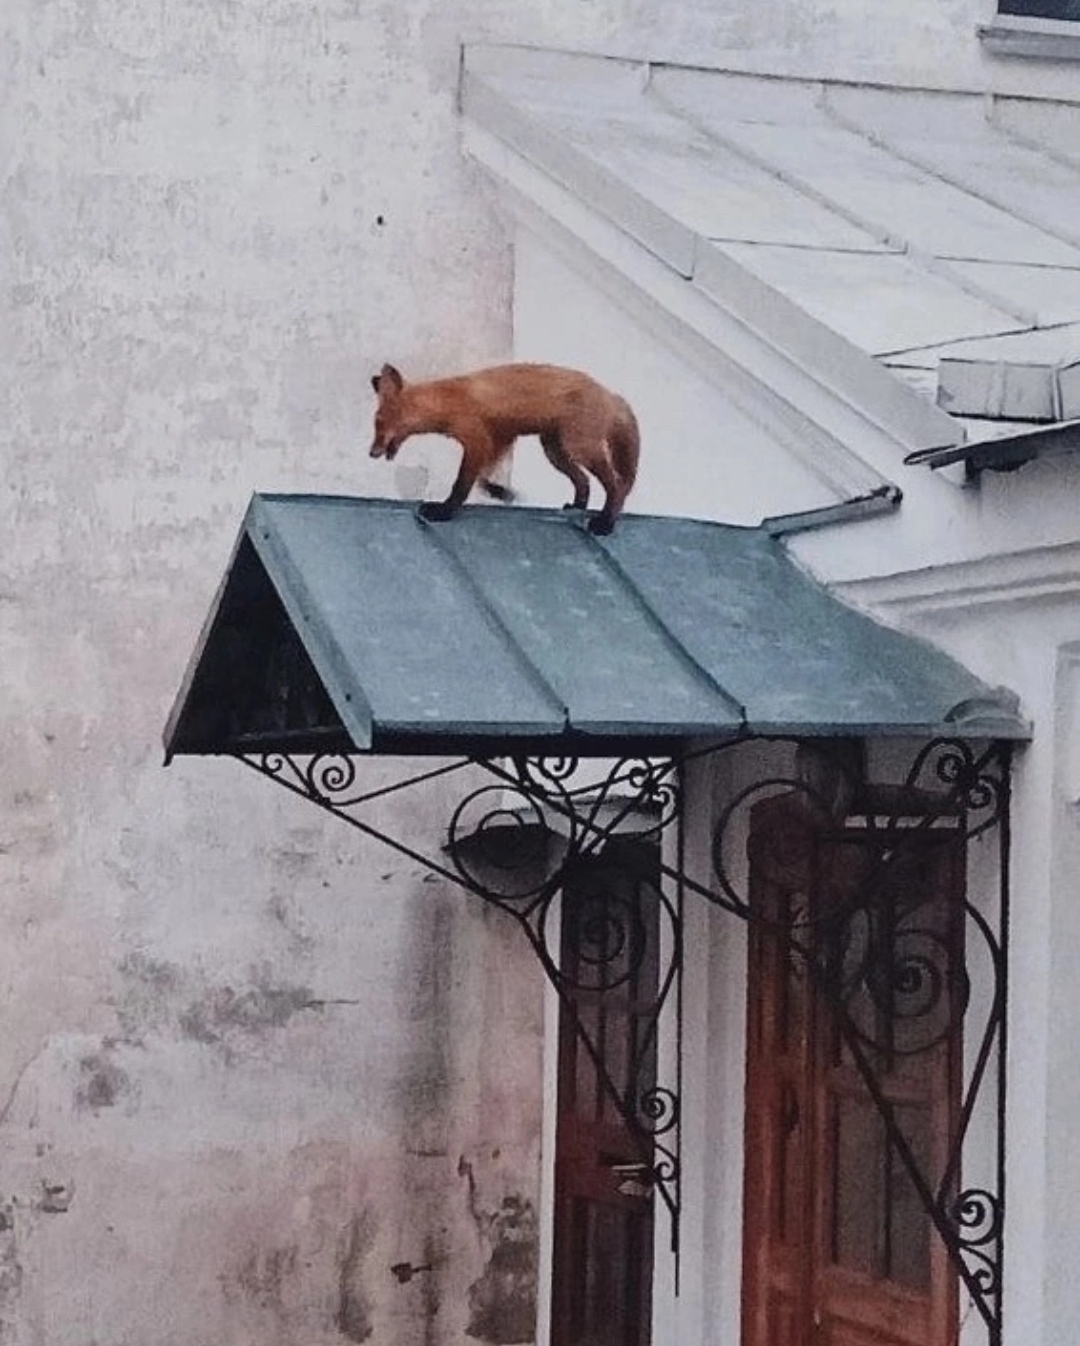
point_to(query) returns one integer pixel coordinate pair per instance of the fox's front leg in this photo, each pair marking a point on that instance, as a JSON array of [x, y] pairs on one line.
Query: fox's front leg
[[478, 454]]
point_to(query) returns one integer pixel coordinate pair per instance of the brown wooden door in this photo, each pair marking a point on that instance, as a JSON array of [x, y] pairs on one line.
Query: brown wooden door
[[602, 1263], [839, 1247]]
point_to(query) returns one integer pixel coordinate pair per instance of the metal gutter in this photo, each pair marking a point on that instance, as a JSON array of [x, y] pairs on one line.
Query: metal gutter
[[1005, 454], [884, 500]]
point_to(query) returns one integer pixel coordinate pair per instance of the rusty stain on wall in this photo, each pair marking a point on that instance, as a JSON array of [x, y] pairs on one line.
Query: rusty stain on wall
[[143, 1004], [11, 1274], [102, 1083], [157, 997], [353, 1316], [264, 1273], [423, 1082], [255, 1010], [502, 1302]]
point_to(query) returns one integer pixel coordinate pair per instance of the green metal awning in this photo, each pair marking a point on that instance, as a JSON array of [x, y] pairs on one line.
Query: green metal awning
[[352, 624]]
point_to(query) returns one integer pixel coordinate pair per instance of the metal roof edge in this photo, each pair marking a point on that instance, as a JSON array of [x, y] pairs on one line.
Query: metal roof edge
[[332, 668], [744, 62], [172, 723], [994, 716], [886, 500], [987, 728], [835, 362]]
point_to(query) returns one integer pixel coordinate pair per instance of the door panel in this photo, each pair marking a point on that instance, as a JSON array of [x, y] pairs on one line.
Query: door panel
[[603, 1251], [839, 1248]]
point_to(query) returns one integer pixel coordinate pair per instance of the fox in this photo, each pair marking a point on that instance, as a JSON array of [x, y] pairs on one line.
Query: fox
[[583, 428]]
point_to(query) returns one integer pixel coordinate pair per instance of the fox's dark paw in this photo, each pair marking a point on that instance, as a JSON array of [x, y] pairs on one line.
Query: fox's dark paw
[[600, 525], [573, 504], [435, 511]]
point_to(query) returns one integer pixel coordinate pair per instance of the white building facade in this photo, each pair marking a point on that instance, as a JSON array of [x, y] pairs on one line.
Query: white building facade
[[613, 178]]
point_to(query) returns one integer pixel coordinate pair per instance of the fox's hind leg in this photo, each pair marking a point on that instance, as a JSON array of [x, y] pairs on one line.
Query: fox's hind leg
[[616, 490], [553, 450]]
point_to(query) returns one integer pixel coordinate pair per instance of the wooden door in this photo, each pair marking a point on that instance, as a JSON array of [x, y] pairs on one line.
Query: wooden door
[[839, 1247], [603, 1250]]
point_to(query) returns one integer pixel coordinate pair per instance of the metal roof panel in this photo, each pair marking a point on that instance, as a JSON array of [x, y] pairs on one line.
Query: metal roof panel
[[578, 621], [897, 199], [880, 303], [388, 623], [792, 653], [896, 218]]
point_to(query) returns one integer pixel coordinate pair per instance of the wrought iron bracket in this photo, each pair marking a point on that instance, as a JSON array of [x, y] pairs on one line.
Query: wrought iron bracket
[[517, 841], [517, 837]]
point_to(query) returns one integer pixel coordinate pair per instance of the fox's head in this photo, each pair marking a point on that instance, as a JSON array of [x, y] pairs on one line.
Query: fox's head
[[390, 432]]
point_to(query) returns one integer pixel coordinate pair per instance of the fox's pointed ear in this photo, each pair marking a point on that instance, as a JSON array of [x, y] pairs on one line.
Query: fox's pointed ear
[[392, 378], [375, 382]]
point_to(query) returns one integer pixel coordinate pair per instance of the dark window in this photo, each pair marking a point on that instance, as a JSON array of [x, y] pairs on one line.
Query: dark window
[[1042, 9]]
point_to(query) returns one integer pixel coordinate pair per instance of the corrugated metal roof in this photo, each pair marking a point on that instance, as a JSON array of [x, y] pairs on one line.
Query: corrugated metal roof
[[355, 623], [894, 220]]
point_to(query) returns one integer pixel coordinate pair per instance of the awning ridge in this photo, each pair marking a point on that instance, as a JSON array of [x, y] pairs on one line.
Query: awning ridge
[[432, 533], [658, 623]]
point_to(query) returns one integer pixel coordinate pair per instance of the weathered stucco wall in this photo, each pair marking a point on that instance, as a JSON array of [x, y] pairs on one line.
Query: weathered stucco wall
[[249, 1061]]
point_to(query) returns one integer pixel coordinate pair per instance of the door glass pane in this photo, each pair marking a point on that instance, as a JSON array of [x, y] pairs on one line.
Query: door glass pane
[[1042, 9], [908, 1224], [858, 1186]]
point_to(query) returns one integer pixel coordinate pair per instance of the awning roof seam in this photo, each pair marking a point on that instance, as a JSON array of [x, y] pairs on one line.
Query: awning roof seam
[[433, 534], [680, 650]]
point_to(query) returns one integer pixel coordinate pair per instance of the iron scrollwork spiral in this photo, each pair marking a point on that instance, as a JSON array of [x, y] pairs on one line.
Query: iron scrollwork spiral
[[976, 1217], [326, 778], [658, 1110]]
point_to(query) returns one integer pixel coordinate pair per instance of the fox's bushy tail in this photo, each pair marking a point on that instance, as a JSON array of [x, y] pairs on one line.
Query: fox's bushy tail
[[624, 441]]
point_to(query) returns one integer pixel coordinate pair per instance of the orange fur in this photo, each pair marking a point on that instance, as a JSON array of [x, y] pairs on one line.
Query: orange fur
[[583, 428]]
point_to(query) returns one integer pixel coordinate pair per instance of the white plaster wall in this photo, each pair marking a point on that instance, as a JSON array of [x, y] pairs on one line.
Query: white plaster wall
[[943, 522]]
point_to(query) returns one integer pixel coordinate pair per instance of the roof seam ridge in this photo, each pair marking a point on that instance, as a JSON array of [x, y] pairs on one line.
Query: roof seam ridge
[[665, 632], [1029, 142], [492, 615], [897, 245], [953, 179], [797, 184], [892, 243]]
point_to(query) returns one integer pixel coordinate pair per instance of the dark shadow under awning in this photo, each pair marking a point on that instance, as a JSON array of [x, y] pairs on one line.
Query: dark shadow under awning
[[352, 625]]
